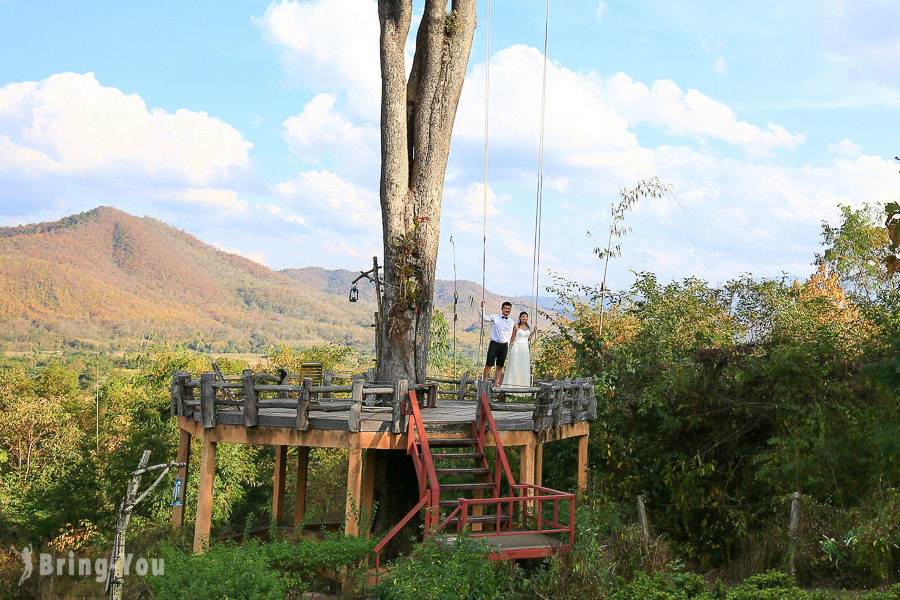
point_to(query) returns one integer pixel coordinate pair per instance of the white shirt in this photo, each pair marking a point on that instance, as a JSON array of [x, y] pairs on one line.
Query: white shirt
[[502, 327]]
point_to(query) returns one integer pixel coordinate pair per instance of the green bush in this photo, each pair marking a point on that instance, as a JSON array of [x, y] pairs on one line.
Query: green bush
[[435, 570], [225, 570]]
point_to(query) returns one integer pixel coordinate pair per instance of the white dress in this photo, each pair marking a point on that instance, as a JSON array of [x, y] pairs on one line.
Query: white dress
[[518, 361]]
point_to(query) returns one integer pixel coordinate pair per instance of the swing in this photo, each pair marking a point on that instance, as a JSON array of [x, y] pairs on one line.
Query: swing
[[538, 213]]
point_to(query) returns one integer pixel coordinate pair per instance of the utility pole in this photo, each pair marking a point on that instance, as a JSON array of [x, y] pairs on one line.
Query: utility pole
[[372, 275], [116, 574]]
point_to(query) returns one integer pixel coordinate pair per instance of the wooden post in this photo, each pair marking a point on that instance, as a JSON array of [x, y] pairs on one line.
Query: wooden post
[[578, 402], [368, 488], [401, 394], [371, 375], [207, 400], [541, 406], [645, 525], [463, 386], [327, 378], [433, 395], [355, 405], [205, 496], [278, 484], [179, 393], [526, 467], [354, 489], [302, 478], [582, 462], [558, 398], [795, 522], [592, 400], [539, 464], [303, 405], [484, 387], [184, 456], [117, 577], [251, 410]]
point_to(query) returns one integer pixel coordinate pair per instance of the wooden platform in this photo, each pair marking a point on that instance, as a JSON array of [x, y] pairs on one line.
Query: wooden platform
[[516, 544], [366, 417], [334, 415]]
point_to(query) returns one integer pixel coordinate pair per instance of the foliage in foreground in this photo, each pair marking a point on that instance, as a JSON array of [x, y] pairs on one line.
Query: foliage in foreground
[[459, 570]]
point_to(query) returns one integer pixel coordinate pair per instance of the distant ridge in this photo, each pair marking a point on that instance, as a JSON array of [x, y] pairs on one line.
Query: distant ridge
[[105, 279]]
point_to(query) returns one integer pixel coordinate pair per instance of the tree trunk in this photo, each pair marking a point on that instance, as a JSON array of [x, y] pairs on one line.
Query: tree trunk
[[416, 124]]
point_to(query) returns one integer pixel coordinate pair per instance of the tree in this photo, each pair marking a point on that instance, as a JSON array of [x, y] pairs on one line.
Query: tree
[[416, 124]]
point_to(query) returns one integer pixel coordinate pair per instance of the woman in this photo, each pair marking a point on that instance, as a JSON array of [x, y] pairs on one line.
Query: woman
[[518, 369]]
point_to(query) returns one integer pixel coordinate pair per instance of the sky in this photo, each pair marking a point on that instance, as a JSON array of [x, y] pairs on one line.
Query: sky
[[253, 125]]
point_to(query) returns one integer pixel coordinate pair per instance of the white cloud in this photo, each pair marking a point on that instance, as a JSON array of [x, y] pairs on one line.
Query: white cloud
[[257, 256], [67, 137], [601, 10], [329, 45], [69, 125], [326, 201], [720, 68], [325, 137], [845, 148], [692, 114]]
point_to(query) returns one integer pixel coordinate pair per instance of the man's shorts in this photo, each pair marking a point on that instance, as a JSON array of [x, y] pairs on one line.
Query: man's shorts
[[496, 353]]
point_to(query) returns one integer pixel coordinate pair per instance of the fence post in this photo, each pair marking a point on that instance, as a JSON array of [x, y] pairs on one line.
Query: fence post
[[303, 405], [795, 522], [401, 393], [355, 404], [251, 412], [463, 386], [645, 525], [207, 400]]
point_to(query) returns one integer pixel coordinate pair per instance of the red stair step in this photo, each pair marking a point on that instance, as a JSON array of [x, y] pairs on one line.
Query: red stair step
[[463, 471], [458, 455]]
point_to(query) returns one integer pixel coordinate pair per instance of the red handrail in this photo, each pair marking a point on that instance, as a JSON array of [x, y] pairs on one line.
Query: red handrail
[[430, 474]]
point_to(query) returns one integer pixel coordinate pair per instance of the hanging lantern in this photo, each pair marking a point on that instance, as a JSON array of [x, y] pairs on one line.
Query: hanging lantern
[[354, 294], [176, 493]]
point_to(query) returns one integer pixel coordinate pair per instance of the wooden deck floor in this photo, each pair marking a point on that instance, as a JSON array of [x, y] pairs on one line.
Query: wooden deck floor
[[517, 545], [448, 416]]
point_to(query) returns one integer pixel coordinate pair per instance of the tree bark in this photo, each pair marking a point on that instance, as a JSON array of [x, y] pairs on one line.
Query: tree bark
[[416, 124]]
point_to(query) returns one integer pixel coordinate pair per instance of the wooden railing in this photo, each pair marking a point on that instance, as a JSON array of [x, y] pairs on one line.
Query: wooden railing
[[212, 393]]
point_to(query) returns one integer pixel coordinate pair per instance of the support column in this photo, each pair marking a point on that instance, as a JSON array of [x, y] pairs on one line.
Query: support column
[[302, 475], [538, 463], [368, 488], [582, 462], [278, 484], [354, 488], [526, 463], [205, 495], [184, 455], [526, 468]]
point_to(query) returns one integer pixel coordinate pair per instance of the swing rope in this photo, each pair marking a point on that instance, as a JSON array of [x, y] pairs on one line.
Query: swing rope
[[538, 209], [487, 103]]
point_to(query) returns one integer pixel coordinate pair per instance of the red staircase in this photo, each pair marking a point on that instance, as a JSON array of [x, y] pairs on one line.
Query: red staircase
[[460, 491]]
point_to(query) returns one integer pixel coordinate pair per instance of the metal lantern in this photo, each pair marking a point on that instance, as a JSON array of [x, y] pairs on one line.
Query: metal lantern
[[354, 294]]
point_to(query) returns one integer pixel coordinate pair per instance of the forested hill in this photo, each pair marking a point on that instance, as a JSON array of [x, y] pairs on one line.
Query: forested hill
[[104, 279]]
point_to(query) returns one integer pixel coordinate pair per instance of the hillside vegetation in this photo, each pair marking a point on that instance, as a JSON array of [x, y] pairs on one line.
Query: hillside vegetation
[[106, 280]]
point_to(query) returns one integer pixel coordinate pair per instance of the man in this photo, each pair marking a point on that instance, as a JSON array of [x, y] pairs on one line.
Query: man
[[501, 331]]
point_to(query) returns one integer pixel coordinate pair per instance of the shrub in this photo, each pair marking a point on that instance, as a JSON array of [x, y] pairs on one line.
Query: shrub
[[442, 570]]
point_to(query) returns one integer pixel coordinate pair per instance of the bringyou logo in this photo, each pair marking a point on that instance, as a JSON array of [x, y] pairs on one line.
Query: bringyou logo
[[73, 566]]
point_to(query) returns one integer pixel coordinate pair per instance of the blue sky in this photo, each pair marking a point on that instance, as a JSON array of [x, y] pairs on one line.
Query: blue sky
[[254, 126]]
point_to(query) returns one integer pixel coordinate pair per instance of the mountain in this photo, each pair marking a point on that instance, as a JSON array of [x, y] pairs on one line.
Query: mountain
[[105, 279]]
